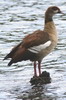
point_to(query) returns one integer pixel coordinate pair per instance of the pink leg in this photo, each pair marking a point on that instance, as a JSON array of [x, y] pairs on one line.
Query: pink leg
[[39, 67], [35, 72]]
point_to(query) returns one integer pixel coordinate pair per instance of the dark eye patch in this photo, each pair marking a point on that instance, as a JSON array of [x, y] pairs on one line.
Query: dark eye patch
[[54, 8]]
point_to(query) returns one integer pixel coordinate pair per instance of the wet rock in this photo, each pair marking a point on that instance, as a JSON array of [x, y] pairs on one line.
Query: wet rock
[[44, 78]]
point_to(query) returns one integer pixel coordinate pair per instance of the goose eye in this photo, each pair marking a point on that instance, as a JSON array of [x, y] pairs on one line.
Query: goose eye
[[55, 8]]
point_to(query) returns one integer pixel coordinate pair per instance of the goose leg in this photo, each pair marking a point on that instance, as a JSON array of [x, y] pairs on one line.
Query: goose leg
[[35, 71], [39, 67]]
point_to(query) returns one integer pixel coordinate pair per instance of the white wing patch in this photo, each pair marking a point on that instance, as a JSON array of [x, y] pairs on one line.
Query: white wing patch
[[37, 49]]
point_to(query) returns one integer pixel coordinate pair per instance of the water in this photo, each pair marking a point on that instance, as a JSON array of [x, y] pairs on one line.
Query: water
[[17, 19]]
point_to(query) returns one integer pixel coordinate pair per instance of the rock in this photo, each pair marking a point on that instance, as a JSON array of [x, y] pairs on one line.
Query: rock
[[44, 78]]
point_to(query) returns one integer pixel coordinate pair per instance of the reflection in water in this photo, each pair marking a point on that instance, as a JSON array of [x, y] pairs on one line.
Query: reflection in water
[[17, 19], [37, 92]]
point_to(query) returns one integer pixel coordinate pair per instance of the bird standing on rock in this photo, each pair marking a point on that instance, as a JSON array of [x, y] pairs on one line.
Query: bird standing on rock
[[40, 43]]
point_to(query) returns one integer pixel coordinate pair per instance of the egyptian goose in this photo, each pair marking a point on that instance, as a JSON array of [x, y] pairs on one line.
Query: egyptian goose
[[36, 46]]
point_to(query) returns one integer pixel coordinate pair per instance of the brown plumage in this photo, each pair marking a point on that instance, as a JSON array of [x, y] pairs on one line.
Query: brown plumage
[[28, 41], [31, 47]]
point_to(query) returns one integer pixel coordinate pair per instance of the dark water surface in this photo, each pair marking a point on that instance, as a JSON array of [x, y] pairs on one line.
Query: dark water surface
[[17, 19]]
